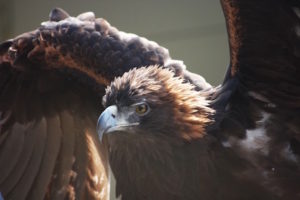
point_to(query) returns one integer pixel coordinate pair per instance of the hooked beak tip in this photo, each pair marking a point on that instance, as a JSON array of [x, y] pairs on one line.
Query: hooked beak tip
[[106, 121]]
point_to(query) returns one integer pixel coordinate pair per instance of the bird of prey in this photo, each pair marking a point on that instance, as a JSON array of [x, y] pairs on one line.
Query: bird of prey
[[52, 81], [167, 134], [169, 140]]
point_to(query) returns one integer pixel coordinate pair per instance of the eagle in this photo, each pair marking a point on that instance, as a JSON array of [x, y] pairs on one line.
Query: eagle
[[165, 132]]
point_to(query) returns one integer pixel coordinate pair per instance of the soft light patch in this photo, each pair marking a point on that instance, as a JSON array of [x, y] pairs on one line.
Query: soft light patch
[[297, 11], [256, 139]]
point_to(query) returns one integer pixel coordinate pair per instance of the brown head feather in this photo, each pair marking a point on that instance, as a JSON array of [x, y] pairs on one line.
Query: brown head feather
[[185, 110]]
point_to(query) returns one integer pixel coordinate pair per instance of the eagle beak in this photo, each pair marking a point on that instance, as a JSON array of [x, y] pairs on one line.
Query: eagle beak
[[111, 121], [107, 120]]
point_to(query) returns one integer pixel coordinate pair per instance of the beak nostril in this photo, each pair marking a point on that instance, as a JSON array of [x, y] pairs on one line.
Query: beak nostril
[[114, 116]]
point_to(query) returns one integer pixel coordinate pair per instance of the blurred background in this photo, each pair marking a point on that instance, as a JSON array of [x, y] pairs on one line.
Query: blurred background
[[193, 30]]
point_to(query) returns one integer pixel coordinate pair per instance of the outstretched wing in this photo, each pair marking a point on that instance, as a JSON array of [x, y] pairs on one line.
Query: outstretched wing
[[261, 120], [51, 84], [264, 38]]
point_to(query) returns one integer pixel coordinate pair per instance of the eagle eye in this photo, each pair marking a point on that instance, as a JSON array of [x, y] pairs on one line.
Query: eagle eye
[[142, 109]]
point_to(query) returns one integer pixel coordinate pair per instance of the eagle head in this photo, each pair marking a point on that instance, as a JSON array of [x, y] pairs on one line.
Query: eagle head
[[153, 102]]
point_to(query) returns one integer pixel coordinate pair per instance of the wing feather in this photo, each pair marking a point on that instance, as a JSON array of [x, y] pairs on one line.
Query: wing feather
[[20, 168], [264, 48], [13, 143], [61, 178], [52, 147], [22, 188]]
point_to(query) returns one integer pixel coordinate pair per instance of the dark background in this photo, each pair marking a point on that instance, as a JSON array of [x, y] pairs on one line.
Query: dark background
[[193, 31]]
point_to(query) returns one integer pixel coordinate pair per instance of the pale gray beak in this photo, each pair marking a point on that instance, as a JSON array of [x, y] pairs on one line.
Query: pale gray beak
[[107, 120]]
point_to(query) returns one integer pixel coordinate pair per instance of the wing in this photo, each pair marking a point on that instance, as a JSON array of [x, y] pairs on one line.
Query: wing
[[264, 38], [259, 100], [51, 84]]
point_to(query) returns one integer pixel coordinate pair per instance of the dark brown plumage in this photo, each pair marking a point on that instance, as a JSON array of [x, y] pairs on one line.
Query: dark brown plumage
[[248, 147], [236, 141], [167, 153], [174, 151]]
